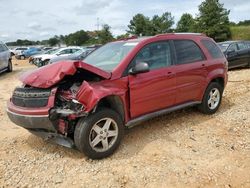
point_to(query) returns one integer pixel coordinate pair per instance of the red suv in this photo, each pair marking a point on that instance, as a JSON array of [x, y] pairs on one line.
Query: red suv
[[88, 103]]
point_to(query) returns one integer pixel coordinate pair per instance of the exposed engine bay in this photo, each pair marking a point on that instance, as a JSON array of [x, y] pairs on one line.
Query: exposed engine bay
[[66, 109]]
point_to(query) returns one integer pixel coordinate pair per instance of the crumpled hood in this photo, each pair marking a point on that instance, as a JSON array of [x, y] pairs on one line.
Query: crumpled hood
[[50, 75]]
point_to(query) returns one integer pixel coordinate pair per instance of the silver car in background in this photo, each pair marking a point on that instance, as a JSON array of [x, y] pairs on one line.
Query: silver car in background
[[5, 58]]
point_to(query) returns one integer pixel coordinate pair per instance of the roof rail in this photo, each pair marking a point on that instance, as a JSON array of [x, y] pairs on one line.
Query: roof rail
[[199, 34], [127, 38]]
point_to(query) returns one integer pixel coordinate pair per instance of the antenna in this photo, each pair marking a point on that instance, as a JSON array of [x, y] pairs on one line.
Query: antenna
[[97, 23]]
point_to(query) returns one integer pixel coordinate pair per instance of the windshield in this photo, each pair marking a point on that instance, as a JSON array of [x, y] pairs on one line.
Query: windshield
[[110, 55], [224, 46]]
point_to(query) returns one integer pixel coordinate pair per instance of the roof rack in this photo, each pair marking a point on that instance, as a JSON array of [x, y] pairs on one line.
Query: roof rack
[[198, 34], [127, 38]]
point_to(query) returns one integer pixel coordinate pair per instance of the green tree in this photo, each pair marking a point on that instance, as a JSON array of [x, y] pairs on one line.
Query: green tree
[[244, 23], [140, 25], [78, 38], [213, 20], [54, 41], [123, 36], [105, 34], [186, 23], [162, 24]]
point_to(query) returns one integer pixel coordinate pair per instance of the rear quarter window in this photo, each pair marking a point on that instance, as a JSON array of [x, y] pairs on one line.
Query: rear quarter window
[[187, 51], [212, 48]]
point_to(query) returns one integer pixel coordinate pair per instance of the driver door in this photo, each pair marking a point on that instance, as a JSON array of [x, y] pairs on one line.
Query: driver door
[[156, 89]]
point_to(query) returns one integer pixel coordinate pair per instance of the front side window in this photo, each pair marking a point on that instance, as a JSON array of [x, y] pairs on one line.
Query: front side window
[[156, 55], [110, 55], [212, 48], [233, 47], [187, 51]]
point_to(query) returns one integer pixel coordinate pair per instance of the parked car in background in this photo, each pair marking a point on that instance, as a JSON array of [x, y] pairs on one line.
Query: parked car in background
[[44, 59], [34, 58], [5, 58], [237, 53], [89, 103], [29, 52], [79, 55], [47, 48], [18, 50]]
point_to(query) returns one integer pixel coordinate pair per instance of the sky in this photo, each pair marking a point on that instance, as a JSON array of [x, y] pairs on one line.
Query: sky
[[38, 20]]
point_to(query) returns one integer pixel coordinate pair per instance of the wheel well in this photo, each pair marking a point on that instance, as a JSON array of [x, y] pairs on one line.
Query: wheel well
[[219, 80], [113, 102]]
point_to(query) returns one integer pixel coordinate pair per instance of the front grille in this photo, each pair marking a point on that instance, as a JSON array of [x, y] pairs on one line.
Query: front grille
[[31, 97]]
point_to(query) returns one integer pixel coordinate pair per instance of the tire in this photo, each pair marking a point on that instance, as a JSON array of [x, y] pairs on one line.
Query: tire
[[22, 57], [10, 68], [91, 134], [211, 106]]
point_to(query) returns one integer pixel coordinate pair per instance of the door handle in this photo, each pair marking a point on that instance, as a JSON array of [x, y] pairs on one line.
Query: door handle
[[170, 74]]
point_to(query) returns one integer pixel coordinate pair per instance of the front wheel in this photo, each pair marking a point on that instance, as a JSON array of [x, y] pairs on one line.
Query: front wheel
[[99, 134], [9, 66], [211, 99]]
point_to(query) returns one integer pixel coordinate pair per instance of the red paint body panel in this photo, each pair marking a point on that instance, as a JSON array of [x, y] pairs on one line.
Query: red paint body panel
[[152, 91], [90, 94], [140, 94], [50, 75]]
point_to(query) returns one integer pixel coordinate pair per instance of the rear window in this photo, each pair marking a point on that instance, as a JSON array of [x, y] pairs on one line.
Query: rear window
[[212, 48], [187, 51]]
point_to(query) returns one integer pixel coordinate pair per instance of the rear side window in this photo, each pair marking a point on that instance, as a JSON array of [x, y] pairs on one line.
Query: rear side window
[[187, 51], [213, 49], [241, 46]]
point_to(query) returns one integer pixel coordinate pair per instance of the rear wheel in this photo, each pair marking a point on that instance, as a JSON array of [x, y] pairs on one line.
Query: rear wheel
[[100, 134], [10, 66], [211, 99], [22, 57]]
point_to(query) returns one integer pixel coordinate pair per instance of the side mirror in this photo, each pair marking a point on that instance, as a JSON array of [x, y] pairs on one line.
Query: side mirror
[[141, 67]]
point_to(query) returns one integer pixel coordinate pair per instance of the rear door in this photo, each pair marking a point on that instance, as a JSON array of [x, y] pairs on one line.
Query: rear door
[[190, 72], [155, 89], [242, 54]]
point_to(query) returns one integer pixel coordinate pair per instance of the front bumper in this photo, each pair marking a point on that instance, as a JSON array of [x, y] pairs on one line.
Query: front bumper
[[41, 126], [31, 121]]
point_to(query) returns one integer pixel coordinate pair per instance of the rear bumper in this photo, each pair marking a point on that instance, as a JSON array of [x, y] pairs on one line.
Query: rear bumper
[[31, 121]]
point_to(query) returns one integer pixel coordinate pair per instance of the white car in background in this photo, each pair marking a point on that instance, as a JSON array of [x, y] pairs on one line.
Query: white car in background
[[18, 51], [5, 58], [43, 59]]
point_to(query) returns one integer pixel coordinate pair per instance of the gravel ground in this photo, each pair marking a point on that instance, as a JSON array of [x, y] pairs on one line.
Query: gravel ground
[[181, 149]]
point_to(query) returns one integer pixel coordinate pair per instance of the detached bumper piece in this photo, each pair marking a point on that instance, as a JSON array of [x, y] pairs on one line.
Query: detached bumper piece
[[54, 138]]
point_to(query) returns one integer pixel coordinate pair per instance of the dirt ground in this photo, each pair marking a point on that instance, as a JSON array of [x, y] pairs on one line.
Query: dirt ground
[[181, 149]]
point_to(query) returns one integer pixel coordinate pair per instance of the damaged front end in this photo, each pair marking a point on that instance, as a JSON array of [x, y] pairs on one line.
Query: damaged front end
[[49, 105]]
